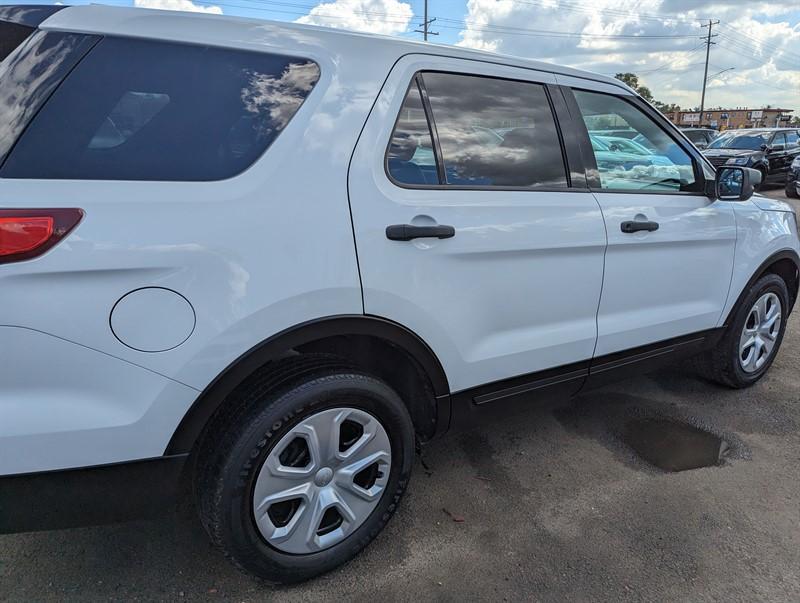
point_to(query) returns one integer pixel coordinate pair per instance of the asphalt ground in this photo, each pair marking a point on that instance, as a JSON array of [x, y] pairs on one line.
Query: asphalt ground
[[551, 505]]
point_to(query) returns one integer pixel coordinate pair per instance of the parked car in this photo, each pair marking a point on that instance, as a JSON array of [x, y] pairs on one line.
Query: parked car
[[793, 179], [224, 263], [701, 137], [616, 147], [768, 150]]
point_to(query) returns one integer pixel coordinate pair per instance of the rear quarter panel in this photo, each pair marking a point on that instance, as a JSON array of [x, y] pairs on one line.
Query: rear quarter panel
[[255, 254]]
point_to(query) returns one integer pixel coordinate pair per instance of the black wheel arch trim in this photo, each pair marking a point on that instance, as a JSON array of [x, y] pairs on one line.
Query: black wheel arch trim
[[272, 348], [784, 254]]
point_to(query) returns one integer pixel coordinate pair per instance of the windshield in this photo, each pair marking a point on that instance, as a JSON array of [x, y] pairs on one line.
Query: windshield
[[750, 141]]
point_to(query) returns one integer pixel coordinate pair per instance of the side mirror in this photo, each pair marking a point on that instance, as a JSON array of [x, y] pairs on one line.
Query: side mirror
[[736, 183]]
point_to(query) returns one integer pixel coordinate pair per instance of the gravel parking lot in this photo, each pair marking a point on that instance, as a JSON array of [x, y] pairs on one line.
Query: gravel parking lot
[[549, 505]]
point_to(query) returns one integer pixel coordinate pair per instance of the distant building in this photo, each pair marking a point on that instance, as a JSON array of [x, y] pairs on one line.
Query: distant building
[[728, 119]]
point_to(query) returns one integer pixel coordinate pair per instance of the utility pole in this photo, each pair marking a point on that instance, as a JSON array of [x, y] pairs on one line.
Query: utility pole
[[710, 25], [425, 24]]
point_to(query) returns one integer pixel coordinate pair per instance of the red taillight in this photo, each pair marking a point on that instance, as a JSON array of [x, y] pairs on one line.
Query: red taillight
[[28, 233], [18, 235]]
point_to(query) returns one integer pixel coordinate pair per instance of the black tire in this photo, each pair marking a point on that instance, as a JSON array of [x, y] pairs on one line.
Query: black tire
[[722, 363], [239, 442], [791, 190]]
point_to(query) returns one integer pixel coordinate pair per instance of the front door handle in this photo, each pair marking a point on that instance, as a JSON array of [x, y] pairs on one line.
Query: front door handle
[[407, 232], [636, 226]]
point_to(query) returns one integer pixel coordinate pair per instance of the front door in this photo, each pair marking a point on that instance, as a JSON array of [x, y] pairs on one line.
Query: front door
[[491, 254], [670, 248]]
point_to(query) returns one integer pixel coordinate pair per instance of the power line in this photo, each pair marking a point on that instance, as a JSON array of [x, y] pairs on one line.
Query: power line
[[769, 46], [494, 28]]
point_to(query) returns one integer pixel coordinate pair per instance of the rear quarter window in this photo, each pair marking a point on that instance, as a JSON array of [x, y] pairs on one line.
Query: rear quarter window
[[147, 110], [30, 74]]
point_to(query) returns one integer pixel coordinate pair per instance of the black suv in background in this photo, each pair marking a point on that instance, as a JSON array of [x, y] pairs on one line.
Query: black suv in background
[[700, 137], [793, 179], [769, 150]]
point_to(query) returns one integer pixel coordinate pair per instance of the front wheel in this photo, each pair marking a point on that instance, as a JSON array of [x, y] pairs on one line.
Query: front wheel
[[304, 478], [753, 337], [791, 190]]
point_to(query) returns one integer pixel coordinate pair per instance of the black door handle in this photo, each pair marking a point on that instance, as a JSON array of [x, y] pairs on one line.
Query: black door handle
[[636, 226], [406, 232]]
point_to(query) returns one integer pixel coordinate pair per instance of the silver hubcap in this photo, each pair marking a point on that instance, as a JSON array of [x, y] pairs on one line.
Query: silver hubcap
[[760, 331], [322, 480]]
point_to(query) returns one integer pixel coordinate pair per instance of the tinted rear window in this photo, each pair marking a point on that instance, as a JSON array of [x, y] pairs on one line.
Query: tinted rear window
[[145, 110]]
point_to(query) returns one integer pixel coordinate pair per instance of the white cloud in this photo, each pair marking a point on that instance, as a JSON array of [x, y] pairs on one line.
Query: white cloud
[[185, 5], [373, 16], [756, 38]]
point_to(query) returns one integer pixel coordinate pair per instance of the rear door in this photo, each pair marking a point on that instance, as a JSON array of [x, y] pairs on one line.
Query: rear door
[[512, 285], [670, 247]]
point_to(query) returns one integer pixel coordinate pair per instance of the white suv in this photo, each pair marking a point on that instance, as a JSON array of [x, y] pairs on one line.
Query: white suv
[[266, 259]]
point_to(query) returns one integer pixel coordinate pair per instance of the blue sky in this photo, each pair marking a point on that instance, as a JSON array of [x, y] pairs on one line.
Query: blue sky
[[657, 39]]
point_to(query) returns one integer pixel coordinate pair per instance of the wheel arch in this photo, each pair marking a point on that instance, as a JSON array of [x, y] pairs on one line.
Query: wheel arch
[[379, 346], [786, 264]]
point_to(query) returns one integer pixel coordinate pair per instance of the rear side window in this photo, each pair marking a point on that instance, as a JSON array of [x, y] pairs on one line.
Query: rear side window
[[145, 110], [491, 132], [30, 74], [792, 140], [11, 36], [17, 22], [411, 158]]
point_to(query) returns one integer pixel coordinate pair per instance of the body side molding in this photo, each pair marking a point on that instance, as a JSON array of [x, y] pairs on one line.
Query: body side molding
[[471, 406]]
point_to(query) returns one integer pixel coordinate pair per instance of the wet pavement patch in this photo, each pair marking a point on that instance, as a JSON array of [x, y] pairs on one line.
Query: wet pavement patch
[[672, 445]]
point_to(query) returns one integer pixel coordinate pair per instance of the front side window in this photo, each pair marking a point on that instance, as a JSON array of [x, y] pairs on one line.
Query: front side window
[[654, 163], [147, 110]]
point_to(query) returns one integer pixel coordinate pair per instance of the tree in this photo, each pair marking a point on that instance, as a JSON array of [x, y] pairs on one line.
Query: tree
[[632, 80]]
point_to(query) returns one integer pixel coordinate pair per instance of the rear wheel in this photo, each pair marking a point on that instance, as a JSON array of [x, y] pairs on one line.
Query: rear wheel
[[791, 190], [301, 479], [749, 345]]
